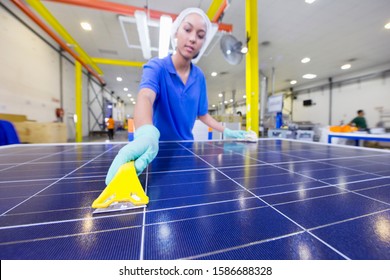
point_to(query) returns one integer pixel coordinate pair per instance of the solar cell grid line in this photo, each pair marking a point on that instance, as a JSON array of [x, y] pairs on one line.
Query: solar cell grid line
[[281, 213], [185, 221], [42, 190], [36, 216], [59, 221], [141, 253], [26, 162], [352, 169], [21, 150], [304, 174]]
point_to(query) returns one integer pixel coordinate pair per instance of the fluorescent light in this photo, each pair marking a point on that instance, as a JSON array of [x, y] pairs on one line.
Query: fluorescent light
[[310, 1], [293, 82], [143, 33], [119, 79], [231, 100], [125, 89], [213, 105], [129, 95], [86, 26], [309, 76], [387, 26], [346, 66], [220, 95], [244, 96], [225, 102], [164, 39], [214, 74], [305, 60]]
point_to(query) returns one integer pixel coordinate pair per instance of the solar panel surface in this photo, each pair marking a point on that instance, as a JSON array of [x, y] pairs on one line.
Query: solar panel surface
[[274, 199]]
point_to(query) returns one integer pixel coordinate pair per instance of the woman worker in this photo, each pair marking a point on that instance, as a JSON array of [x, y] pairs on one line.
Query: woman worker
[[172, 94]]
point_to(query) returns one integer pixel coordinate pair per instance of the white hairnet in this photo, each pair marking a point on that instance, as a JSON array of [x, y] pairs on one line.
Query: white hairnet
[[182, 16]]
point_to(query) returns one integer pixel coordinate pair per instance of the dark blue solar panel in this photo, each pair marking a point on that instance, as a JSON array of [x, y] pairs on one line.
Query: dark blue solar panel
[[363, 238], [275, 199], [191, 237], [301, 246]]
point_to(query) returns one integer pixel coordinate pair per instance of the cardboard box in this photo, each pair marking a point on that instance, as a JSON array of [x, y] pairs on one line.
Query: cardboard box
[[37, 132]]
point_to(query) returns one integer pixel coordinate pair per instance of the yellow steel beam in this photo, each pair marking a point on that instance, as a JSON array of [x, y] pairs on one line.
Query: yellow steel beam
[[252, 67], [79, 101], [117, 62], [214, 8], [50, 19]]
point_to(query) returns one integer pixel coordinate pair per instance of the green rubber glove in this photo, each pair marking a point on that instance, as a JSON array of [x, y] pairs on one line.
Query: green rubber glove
[[238, 134], [143, 150]]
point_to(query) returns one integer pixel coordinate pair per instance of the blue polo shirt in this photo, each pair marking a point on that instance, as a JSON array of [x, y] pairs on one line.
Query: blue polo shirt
[[177, 105]]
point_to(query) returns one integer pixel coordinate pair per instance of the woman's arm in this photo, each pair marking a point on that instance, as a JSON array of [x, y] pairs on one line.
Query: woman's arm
[[144, 148], [211, 122], [143, 112]]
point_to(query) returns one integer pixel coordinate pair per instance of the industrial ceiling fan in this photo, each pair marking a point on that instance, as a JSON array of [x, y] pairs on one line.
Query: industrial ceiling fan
[[232, 49]]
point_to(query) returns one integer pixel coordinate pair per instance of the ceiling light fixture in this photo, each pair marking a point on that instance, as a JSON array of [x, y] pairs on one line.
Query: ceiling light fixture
[[119, 79], [310, 1], [143, 33], [346, 66], [293, 82], [387, 26], [214, 74], [164, 39], [86, 26], [309, 76], [125, 89], [220, 95], [305, 60]]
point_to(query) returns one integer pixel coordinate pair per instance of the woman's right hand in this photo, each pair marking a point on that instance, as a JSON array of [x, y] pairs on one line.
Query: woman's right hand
[[142, 150]]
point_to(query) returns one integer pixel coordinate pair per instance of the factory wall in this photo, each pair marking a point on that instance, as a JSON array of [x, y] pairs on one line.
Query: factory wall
[[31, 69], [369, 92]]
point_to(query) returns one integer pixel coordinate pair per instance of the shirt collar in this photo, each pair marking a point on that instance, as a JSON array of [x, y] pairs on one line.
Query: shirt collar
[[169, 64], [171, 69]]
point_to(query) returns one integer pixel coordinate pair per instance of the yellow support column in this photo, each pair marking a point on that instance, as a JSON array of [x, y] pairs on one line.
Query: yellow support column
[[79, 101], [252, 67]]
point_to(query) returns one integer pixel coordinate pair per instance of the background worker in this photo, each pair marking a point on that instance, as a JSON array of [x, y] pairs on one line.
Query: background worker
[[359, 121], [110, 127]]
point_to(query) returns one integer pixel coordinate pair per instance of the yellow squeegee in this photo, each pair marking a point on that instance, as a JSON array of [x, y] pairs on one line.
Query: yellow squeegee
[[124, 192]]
